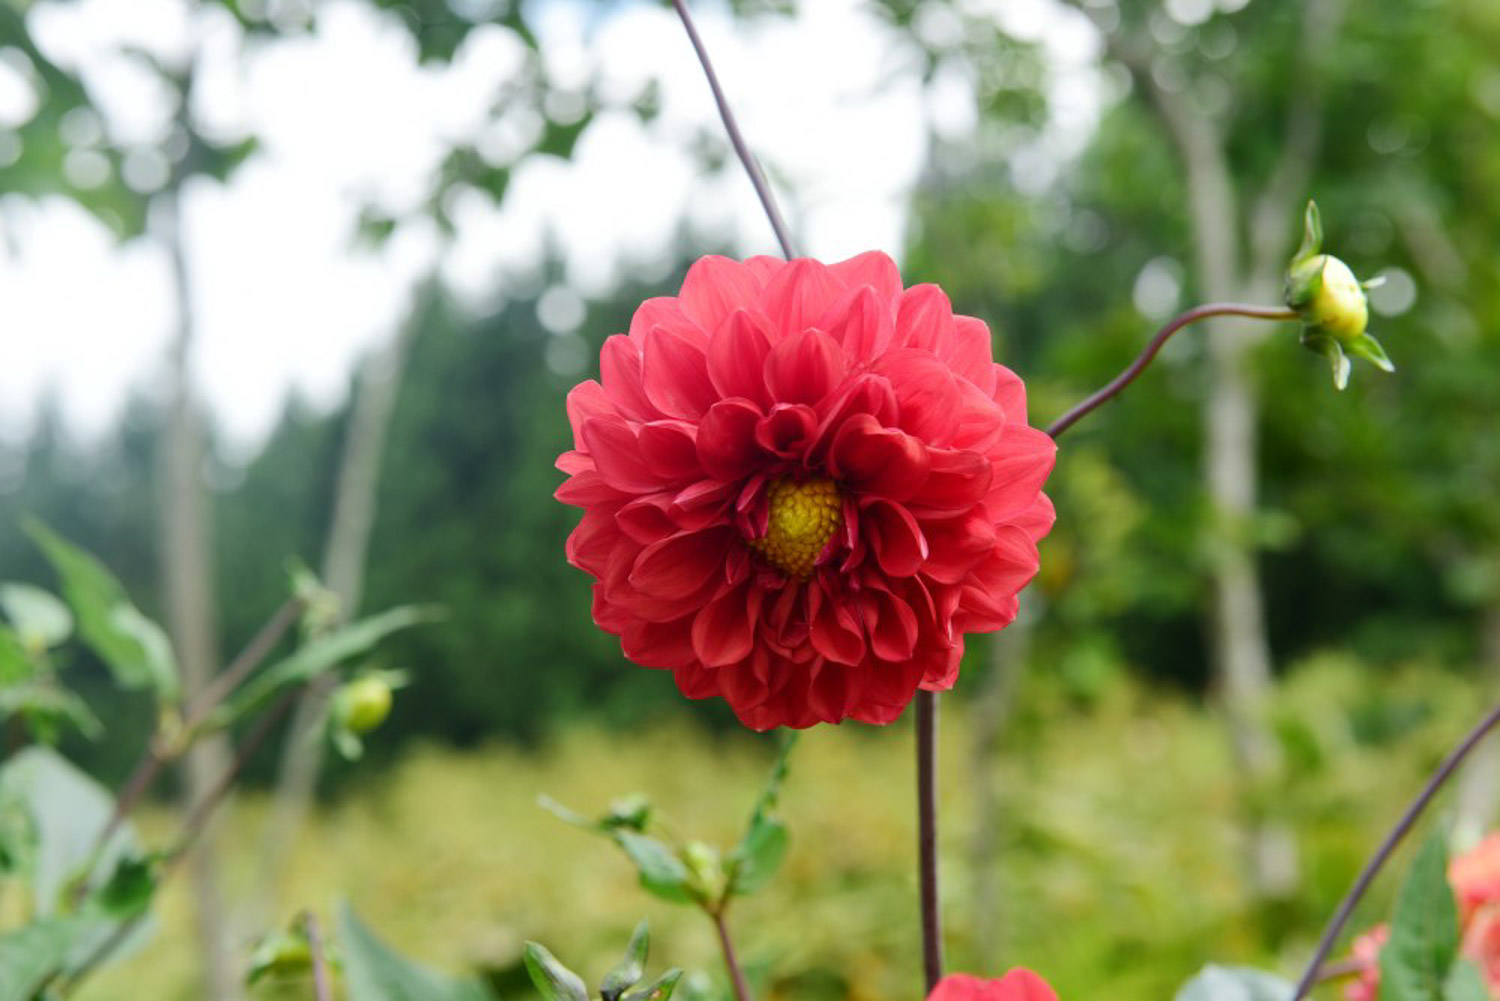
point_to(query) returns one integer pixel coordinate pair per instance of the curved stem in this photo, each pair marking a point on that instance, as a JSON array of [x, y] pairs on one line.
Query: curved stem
[[726, 945], [321, 989], [1136, 367], [927, 848], [1413, 811], [741, 149]]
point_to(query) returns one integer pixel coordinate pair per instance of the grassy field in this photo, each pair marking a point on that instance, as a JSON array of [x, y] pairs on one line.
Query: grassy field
[[1117, 845]]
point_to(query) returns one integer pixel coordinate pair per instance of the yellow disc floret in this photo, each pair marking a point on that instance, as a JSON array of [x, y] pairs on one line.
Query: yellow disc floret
[[803, 517]]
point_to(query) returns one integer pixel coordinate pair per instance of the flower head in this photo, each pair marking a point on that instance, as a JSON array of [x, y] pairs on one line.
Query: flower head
[[1019, 984], [1366, 953], [802, 486], [1475, 876], [1331, 303]]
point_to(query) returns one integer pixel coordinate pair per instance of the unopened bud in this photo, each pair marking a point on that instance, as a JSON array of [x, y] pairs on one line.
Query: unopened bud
[[363, 704]]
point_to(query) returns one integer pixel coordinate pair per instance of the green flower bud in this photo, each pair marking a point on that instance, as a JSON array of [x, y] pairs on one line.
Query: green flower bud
[[1331, 303], [363, 704], [705, 868]]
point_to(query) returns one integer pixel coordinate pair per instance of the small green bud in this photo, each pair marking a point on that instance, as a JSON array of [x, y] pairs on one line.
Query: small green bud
[[281, 954], [363, 704], [1332, 305], [705, 869]]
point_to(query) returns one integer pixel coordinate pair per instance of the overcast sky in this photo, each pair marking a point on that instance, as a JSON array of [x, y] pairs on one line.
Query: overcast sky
[[346, 116]]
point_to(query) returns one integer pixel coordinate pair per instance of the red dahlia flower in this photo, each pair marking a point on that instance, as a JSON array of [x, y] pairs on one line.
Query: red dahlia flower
[[1019, 984], [802, 486]]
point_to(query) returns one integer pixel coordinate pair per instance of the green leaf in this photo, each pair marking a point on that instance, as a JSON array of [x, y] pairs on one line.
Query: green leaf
[[1235, 983], [130, 889], [128, 643], [320, 655], [1465, 983], [32, 954], [630, 969], [373, 972], [662, 873], [280, 954], [1415, 962], [659, 989], [1312, 233], [68, 809], [40, 620], [48, 708], [15, 663], [553, 980], [754, 861], [1366, 347]]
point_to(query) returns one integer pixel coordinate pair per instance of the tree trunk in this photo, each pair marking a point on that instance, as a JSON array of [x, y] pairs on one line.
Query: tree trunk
[[343, 569], [188, 587]]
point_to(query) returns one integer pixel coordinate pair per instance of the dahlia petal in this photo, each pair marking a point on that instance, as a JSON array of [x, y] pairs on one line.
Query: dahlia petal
[[715, 287], [894, 536], [573, 462], [1010, 393], [647, 520], [668, 448], [799, 294], [763, 267], [880, 461], [724, 629], [873, 268], [924, 319], [1024, 460], [834, 631], [624, 383], [981, 421], [1036, 521], [861, 323], [788, 430], [804, 367], [926, 393], [971, 352], [587, 400], [591, 544], [676, 374], [586, 488], [617, 455], [703, 494], [737, 357], [679, 566], [658, 644], [890, 624], [956, 481], [956, 546], [663, 311], [832, 690], [696, 681], [940, 671]]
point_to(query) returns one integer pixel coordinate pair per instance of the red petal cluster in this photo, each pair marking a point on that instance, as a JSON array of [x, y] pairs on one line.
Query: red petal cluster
[[1019, 984], [764, 375]]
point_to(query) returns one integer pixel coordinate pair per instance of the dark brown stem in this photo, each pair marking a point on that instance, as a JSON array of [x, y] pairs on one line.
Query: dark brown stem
[[1413, 811], [741, 149], [927, 848], [1339, 969], [1136, 367], [726, 945], [322, 991]]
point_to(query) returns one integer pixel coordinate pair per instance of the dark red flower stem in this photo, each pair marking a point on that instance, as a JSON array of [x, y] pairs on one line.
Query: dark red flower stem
[[322, 990], [927, 847], [736, 139], [1138, 366], [726, 945], [1383, 853]]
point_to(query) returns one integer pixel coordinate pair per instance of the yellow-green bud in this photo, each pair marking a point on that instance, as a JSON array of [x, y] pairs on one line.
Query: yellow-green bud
[[1335, 301], [364, 703]]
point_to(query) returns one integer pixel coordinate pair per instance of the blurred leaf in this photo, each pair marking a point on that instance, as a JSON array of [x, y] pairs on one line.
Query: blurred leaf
[[659, 989], [1465, 983], [282, 953], [129, 644], [553, 980], [68, 809], [39, 619], [373, 972], [15, 664], [130, 888], [1235, 983], [32, 954], [1415, 962], [320, 655], [662, 873], [628, 972], [48, 709]]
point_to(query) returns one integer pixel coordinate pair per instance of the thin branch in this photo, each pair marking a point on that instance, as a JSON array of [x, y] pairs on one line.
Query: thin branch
[[258, 649], [927, 845], [741, 149], [1408, 819], [726, 945], [321, 989], [1135, 368]]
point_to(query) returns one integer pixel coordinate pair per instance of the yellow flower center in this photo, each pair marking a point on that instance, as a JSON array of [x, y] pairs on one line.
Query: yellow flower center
[[803, 517]]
